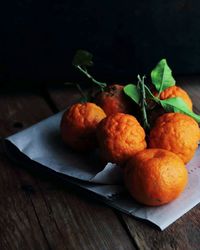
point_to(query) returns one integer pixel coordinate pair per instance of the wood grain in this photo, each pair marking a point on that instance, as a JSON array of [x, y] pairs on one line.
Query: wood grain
[[38, 213], [19, 225], [183, 234]]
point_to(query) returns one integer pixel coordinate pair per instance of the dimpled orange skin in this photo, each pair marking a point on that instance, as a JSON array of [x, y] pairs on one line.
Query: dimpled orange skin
[[78, 125], [120, 136], [176, 91], [176, 132], [113, 100], [155, 176]]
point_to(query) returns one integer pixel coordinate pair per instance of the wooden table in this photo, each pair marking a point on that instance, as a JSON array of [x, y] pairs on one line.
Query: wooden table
[[39, 212]]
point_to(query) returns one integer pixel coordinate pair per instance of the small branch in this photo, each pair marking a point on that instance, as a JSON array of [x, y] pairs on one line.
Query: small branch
[[143, 102], [102, 85]]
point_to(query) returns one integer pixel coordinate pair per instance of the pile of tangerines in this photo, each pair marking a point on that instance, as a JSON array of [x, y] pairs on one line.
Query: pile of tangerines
[[153, 160]]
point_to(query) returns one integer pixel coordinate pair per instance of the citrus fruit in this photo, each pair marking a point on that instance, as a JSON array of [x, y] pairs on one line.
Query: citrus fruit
[[113, 100], [78, 125], [176, 91], [175, 132], [155, 176], [120, 136]]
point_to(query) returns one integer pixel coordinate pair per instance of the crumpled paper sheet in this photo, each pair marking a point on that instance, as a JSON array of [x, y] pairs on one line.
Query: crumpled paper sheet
[[42, 144]]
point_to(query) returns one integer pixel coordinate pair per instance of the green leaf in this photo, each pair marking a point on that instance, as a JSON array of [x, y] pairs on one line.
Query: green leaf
[[178, 105], [82, 58], [132, 91], [161, 76]]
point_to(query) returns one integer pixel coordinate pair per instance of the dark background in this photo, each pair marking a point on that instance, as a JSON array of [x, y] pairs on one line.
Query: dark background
[[39, 38]]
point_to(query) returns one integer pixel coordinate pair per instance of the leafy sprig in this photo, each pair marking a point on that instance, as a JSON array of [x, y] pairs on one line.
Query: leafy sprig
[[82, 60], [162, 78], [138, 94]]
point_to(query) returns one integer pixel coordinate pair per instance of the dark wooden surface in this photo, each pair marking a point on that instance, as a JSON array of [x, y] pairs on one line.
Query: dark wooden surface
[[38, 212]]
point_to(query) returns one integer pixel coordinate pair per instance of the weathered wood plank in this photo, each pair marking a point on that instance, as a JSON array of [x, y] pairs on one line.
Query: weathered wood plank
[[183, 234], [20, 110], [63, 95], [19, 225], [39, 214]]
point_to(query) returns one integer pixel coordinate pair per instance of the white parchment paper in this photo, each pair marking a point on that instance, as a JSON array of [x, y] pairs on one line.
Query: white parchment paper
[[42, 144]]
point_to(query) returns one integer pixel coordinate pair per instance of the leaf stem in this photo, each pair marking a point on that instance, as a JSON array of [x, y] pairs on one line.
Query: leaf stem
[[102, 85], [161, 86], [151, 96], [143, 102]]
